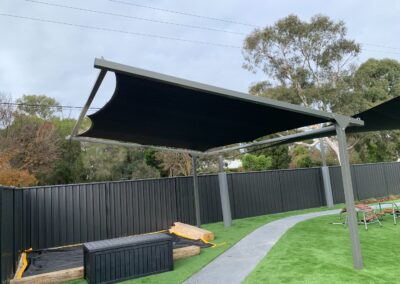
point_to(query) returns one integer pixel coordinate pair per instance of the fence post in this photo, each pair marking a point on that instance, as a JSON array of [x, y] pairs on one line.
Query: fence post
[[327, 186], [196, 191], [326, 176], [223, 189]]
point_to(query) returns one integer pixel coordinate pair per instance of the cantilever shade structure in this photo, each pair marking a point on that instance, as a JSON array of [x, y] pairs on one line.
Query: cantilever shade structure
[[153, 110]]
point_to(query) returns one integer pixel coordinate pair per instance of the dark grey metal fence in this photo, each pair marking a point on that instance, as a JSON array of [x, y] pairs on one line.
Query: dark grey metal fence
[[11, 231], [49, 216], [369, 180]]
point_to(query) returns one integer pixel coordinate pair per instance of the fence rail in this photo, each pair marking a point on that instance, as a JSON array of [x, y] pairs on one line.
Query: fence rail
[[49, 216]]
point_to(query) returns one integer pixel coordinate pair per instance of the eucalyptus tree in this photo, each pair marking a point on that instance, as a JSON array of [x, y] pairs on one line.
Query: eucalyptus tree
[[308, 63], [377, 81]]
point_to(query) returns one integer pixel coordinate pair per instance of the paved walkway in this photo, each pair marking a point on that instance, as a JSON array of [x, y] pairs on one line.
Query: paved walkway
[[237, 262]]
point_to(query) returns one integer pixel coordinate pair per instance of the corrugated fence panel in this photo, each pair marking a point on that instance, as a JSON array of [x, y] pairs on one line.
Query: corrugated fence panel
[[7, 231], [210, 199], [369, 181], [19, 216], [137, 207], [255, 194], [26, 219], [392, 176], [336, 184], [301, 188], [62, 215], [185, 200]]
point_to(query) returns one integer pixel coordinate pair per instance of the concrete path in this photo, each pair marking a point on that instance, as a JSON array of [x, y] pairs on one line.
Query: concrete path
[[237, 262]]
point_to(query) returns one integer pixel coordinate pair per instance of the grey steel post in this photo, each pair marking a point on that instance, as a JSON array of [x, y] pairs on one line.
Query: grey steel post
[[348, 193], [224, 192], [326, 176], [196, 191]]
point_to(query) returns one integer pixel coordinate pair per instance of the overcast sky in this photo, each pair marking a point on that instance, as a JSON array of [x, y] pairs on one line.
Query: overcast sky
[[57, 60]]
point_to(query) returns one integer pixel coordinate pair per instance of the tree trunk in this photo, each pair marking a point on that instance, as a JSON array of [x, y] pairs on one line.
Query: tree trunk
[[333, 144]]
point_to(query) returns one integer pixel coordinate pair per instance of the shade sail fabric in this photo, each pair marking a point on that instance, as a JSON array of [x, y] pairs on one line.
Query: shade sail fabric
[[149, 110], [385, 116]]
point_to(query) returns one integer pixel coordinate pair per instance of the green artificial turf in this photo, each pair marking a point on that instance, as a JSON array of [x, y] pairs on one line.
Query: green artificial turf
[[225, 238], [315, 251]]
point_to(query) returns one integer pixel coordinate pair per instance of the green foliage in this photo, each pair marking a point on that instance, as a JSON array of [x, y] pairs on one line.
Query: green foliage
[[69, 168], [304, 158], [304, 161], [141, 170], [309, 61], [280, 158], [378, 80], [105, 162], [256, 163], [152, 160], [38, 105], [379, 147], [134, 166]]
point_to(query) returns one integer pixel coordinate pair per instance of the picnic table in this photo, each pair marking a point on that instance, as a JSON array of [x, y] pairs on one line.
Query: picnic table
[[393, 209]]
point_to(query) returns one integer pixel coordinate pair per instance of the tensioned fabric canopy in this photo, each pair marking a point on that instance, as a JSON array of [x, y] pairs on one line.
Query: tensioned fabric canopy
[[385, 116], [149, 108]]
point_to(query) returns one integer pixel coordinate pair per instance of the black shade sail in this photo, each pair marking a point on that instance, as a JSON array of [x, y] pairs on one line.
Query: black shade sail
[[385, 116], [148, 108]]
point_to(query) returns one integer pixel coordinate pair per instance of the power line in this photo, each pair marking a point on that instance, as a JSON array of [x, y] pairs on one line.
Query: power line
[[382, 46], [183, 13], [218, 19], [118, 31], [380, 51], [45, 105], [133, 17], [150, 35]]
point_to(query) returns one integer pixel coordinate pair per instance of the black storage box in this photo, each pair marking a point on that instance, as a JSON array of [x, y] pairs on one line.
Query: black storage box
[[124, 258]]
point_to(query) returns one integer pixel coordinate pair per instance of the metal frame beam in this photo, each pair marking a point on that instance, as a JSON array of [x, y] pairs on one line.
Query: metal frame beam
[[131, 145], [89, 101], [270, 141]]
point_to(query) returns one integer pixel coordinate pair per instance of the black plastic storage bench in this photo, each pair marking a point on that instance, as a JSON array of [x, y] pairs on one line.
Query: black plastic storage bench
[[124, 258]]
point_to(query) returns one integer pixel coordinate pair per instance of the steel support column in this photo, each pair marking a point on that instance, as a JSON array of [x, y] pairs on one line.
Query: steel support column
[[348, 194], [196, 191], [224, 192]]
